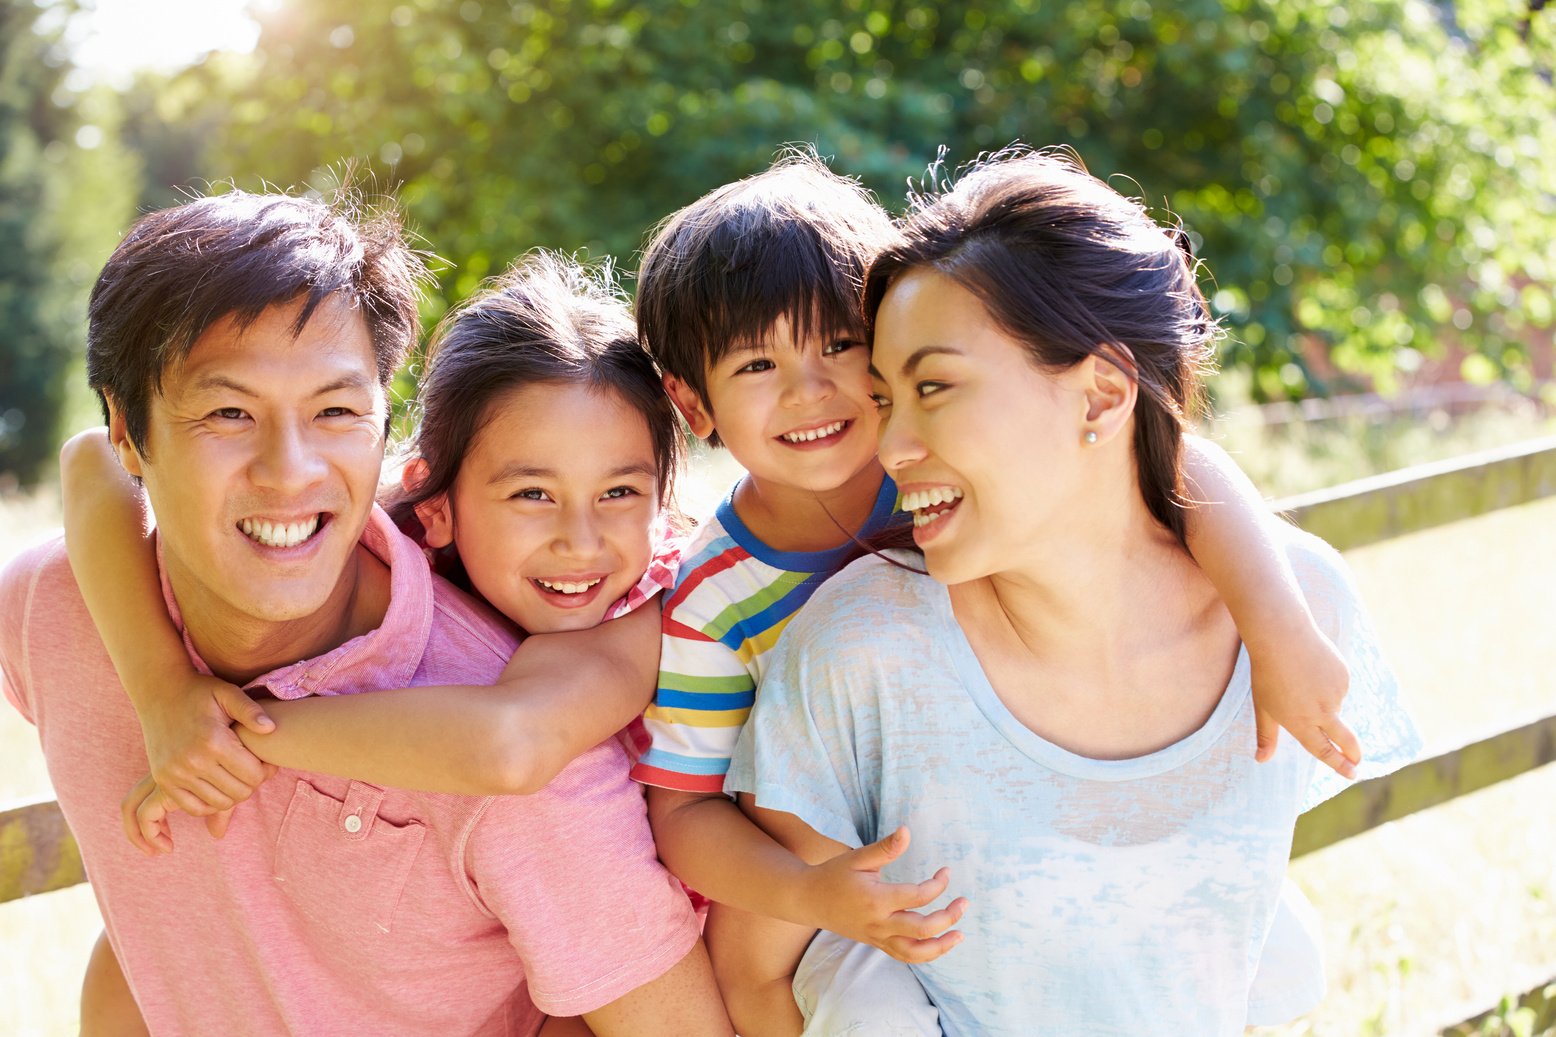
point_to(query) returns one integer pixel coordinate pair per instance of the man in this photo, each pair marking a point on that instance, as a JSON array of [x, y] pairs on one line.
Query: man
[[242, 346]]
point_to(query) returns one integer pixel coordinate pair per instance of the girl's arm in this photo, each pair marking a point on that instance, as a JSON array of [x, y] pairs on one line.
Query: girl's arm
[[1299, 679], [186, 717], [560, 695], [108, 1009]]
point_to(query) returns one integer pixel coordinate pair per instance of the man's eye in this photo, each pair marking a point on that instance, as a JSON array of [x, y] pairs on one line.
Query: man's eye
[[620, 493], [336, 412], [756, 366], [228, 413]]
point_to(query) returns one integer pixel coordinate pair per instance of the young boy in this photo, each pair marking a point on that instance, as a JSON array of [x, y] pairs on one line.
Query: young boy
[[749, 301]]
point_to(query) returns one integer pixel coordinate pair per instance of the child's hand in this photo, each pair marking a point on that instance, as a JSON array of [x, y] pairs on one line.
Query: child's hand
[[1300, 687], [196, 758], [144, 812], [851, 900]]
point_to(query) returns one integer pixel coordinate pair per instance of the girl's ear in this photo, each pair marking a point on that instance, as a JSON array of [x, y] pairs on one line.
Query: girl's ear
[[1110, 381], [689, 402], [435, 515]]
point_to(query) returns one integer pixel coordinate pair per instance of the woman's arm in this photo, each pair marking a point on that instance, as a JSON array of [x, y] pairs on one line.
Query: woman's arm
[[1299, 679], [186, 717], [561, 694]]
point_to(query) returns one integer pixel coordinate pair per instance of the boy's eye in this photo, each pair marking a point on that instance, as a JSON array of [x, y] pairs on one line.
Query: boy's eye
[[840, 346], [880, 400], [619, 493], [756, 366]]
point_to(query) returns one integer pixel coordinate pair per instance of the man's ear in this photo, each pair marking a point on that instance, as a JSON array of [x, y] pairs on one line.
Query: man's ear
[[689, 402], [1111, 383], [435, 514], [119, 439]]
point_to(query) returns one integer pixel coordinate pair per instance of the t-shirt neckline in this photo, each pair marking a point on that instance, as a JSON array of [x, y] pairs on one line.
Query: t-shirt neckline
[[828, 560], [1238, 692]]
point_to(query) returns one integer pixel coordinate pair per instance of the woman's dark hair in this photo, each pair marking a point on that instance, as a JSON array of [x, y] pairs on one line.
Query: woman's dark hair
[[1071, 269], [548, 319], [793, 241], [181, 270]]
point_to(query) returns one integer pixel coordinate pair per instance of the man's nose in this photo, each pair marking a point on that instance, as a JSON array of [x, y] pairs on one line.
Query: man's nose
[[289, 461]]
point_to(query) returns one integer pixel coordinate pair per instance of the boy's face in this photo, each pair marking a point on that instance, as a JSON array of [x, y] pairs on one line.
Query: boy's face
[[796, 414]]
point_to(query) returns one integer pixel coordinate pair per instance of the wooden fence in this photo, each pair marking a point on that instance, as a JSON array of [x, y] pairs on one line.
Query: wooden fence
[[38, 854]]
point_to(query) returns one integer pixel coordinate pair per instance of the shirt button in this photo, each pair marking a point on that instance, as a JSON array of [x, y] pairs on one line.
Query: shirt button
[[353, 824]]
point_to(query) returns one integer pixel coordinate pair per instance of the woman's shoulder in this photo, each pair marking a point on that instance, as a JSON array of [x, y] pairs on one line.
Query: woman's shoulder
[[875, 595]]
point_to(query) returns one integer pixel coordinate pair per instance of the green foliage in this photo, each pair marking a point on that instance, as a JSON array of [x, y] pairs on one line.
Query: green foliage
[[1367, 180]]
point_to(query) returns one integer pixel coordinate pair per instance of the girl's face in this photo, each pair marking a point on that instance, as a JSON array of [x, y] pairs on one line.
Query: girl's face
[[553, 508], [984, 446]]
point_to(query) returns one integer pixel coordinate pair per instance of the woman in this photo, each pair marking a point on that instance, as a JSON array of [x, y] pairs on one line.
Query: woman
[[1060, 709]]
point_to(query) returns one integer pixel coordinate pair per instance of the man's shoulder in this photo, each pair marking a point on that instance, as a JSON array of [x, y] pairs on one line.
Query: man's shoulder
[[42, 569], [467, 635]]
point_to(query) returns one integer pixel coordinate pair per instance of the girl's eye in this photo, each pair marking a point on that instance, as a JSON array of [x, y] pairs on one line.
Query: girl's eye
[[842, 345], [532, 493], [619, 493], [756, 366], [928, 388]]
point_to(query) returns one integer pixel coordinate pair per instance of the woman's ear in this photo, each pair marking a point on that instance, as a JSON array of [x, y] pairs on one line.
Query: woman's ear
[[1111, 382], [435, 514], [689, 402]]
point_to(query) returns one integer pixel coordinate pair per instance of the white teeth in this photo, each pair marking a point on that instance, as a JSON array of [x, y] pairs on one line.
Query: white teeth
[[918, 500], [810, 435], [279, 534], [562, 587]]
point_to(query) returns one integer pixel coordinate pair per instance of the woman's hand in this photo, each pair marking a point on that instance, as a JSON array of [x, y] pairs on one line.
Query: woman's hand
[[196, 758], [849, 898], [1300, 686]]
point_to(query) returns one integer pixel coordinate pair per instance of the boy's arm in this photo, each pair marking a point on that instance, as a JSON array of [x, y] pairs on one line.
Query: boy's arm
[[561, 694], [707, 842], [185, 716], [1299, 679]]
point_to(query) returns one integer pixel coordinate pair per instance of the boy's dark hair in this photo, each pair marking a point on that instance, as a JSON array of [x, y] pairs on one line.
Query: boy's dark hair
[[794, 241], [179, 271], [548, 319], [1070, 268]]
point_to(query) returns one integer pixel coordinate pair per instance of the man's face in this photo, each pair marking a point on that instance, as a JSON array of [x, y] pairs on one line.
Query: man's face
[[263, 455]]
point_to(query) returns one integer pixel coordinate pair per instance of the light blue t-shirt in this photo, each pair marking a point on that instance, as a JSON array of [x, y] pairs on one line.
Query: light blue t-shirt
[[1107, 897]]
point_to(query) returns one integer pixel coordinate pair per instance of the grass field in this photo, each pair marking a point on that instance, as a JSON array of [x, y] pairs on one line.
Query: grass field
[[1428, 920]]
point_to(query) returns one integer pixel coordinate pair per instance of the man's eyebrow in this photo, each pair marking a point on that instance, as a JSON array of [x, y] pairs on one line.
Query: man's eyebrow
[[217, 382]]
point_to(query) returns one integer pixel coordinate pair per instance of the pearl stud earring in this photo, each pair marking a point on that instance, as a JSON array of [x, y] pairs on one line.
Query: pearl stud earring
[[1091, 438]]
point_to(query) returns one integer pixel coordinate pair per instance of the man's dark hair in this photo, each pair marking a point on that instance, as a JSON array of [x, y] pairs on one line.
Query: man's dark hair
[[181, 270], [794, 241]]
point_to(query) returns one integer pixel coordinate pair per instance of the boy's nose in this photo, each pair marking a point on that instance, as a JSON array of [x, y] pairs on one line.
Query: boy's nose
[[810, 382]]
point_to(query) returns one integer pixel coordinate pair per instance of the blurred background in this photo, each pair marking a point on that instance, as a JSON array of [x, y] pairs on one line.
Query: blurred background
[[1372, 186]]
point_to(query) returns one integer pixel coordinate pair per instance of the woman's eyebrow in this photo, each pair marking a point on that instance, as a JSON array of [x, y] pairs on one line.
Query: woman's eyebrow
[[917, 357]]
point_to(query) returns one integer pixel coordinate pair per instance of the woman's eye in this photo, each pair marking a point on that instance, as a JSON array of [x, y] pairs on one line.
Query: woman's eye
[[756, 366], [928, 388], [842, 345]]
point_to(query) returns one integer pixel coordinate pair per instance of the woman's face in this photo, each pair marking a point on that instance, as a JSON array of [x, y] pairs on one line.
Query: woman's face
[[554, 506], [984, 446]]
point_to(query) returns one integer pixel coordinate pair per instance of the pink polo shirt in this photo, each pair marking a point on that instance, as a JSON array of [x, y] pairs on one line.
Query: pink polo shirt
[[335, 906]]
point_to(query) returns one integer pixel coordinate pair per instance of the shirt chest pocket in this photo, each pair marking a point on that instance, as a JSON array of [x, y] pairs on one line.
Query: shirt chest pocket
[[340, 864]]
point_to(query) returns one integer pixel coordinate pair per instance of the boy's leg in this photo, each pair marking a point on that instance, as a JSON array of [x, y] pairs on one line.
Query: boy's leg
[[754, 960], [108, 1008], [843, 987]]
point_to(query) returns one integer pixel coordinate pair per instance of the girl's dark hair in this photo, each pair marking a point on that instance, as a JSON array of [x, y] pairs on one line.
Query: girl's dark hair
[[793, 241], [548, 319], [1071, 269]]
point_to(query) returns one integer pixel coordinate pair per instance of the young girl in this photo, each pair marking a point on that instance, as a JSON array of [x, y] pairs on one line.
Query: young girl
[[541, 480], [1059, 710]]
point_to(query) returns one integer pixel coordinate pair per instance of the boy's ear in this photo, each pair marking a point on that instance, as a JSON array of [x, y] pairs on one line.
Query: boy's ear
[[1110, 381], [435, 515], [689, 402], [119, 439]]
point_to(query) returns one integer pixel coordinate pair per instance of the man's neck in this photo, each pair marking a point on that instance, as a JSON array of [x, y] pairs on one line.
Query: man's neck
[[239, 648], [786, 518]]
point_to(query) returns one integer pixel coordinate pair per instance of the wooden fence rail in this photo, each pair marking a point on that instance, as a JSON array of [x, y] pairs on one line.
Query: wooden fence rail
[[38, 853]]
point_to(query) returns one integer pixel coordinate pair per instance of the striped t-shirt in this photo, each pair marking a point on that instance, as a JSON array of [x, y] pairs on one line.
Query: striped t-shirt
[[732, 599]]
